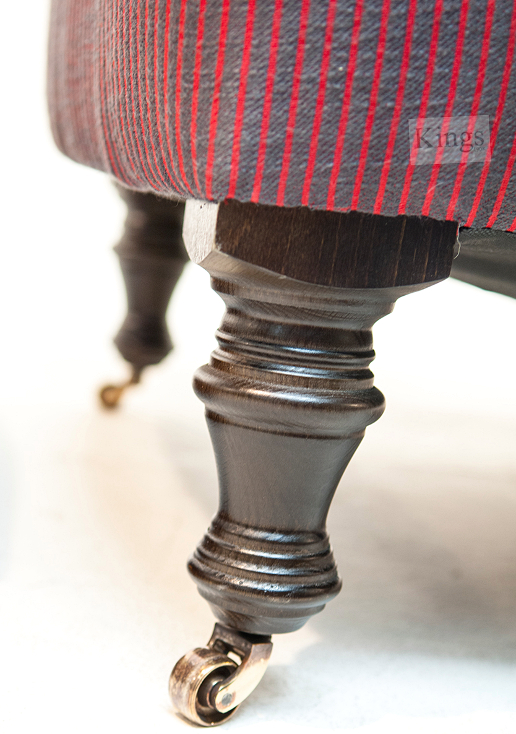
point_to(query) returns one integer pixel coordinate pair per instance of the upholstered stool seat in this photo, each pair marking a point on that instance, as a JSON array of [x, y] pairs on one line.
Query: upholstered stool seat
[[292, 103]]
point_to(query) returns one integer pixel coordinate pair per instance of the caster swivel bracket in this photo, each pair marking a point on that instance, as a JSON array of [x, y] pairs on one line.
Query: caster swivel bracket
[[110, 395], [208, 684]]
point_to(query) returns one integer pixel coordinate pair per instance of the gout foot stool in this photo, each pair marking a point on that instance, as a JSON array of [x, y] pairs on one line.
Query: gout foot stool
[[328, 153]]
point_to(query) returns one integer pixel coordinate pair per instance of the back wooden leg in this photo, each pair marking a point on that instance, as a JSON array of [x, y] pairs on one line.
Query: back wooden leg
[[152, 257], [288, 396]]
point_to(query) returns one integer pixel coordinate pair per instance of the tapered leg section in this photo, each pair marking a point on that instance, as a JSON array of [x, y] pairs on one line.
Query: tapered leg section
[[152, 257], [289, 391]]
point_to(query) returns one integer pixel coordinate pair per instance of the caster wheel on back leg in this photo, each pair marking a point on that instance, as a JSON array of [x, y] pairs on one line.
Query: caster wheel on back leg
[[110, 395], [207, 686]]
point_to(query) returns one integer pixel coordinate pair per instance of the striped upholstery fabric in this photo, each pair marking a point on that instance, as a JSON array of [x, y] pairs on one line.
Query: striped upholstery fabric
[[290, 102]]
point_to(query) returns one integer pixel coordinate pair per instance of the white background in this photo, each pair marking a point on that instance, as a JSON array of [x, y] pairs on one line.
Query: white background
[[99, 512]]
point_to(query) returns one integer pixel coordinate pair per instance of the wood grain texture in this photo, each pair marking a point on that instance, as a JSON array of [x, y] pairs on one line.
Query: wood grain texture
[[152, 257], [288, 395], [340, 250]]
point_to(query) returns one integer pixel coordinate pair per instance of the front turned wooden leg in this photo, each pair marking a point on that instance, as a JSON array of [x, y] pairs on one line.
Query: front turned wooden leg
[[152, 257], [289, 392], [288, 395]]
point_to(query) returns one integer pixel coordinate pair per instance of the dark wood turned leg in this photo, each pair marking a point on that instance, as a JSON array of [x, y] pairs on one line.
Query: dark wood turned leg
[[288, 396], [152, 257], [289, 392]]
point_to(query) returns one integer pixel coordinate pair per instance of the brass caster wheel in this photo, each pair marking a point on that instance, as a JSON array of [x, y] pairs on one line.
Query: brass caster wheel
[[110, 395], [207, 686]]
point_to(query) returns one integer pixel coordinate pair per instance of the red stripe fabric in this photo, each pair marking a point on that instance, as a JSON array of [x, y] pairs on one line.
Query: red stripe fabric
[[498, 117], [159, 125], [167, 152], [452, 92], [292, 115], [373, 100], [475, 107], [195, 92], [179, 69], [319, 105], [114, 168], [346, 102], [216, 96], [293, 102], [148, 98], [239, 117], [503, 187], [128, 93], [141, 51], [115, 47], [267, 104], [398, 105], [434, 42]]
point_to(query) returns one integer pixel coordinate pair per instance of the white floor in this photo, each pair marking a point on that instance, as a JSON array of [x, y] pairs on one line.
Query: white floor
[[99, 512]]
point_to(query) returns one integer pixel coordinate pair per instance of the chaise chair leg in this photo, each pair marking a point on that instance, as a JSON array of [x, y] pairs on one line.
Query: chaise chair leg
[[152, 257], [288, 396]]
